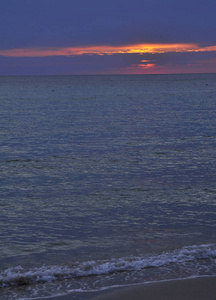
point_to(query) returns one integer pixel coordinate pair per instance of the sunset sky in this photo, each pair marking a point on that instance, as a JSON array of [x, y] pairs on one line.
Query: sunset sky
[[63, 37]]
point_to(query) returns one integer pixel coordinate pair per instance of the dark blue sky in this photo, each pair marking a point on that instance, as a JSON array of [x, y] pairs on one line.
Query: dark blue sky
[[57, 24]]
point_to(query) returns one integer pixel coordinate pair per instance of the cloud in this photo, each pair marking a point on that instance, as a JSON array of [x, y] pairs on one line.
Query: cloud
[[172, 63], [106, 50], [127, 63], [89, 37]]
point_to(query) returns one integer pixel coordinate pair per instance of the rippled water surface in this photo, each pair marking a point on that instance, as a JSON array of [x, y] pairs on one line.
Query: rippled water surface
[[105, 174]]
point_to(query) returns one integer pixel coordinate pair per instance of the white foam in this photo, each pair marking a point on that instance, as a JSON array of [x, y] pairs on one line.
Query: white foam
[[21, 276]]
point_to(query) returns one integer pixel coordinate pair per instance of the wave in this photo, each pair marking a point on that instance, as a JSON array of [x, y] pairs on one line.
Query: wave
[[20, 276]]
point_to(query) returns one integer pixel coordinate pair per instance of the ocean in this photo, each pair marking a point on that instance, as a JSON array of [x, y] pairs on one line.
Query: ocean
[[105, 181]]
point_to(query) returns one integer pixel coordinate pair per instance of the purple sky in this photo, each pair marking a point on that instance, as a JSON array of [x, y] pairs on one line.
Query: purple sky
[[51, 37]]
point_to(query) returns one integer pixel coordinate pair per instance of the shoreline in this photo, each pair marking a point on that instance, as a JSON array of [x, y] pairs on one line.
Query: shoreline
[[199, 288]]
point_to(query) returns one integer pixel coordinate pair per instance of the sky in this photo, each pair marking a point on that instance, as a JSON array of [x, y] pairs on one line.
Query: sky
[[69, 37]]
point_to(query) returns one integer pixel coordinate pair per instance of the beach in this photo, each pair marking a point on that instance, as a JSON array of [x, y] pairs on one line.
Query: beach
[[186, 289]]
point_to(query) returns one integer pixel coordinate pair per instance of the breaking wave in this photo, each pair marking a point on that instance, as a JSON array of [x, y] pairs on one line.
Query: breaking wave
[[21, 276]]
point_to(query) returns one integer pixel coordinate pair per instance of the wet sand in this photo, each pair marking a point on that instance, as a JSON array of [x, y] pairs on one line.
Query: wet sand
[[187, 289]]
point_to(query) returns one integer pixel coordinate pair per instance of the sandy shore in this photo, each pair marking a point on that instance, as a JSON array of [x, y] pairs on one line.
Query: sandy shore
[[188, 289]]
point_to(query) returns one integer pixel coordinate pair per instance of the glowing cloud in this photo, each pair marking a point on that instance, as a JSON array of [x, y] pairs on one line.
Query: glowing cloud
[[105, 50], [145, 64]]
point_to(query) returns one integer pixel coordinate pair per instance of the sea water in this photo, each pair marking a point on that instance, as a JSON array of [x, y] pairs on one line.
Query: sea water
[[105, 181]]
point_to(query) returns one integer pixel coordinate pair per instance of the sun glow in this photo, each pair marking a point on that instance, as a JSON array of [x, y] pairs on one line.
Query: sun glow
[[105, 50]]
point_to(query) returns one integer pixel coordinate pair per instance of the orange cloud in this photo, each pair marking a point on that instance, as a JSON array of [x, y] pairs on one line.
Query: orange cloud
[[146, 67], [105, 50], [142, 66]]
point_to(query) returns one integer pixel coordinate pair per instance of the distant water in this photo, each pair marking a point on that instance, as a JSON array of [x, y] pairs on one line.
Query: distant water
[[105, 181]]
